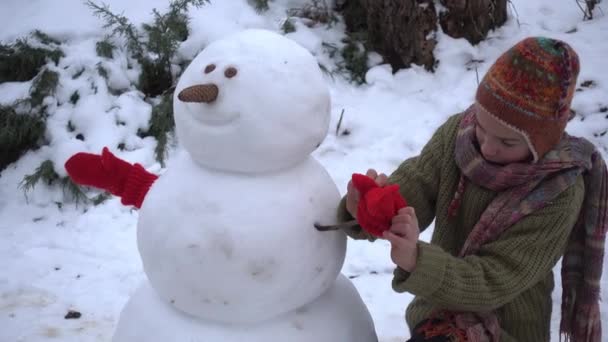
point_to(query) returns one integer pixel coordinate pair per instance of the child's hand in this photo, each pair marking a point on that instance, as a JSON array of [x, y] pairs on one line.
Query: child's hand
[[403, 236], [353, 195]]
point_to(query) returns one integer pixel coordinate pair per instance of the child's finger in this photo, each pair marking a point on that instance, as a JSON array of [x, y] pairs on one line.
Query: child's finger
[[411, 232], [395, 240], [371, 173], [352, 191], [399, 229], [407, 211], [401, 218], [381, 179]]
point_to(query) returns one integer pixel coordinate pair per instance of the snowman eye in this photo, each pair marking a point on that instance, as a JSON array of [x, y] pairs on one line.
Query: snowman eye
[[230, 72], [209, 68]]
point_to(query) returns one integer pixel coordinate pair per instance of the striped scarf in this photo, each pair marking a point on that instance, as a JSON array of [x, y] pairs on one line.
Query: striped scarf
[[524, 188]]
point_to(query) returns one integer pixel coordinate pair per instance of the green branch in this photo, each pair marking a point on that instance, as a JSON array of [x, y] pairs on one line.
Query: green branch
[[121, 25]]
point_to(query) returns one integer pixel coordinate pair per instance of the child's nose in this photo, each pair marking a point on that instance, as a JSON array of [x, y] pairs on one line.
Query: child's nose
[[488, 148]]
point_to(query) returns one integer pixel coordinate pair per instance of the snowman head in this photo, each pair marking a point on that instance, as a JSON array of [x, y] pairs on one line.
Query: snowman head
[[252, 102]]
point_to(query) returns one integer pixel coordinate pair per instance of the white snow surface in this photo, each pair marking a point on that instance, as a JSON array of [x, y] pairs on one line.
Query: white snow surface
[[338, 314], [59, 256]]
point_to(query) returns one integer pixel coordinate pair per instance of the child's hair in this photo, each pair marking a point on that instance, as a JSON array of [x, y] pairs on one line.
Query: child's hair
[[529, 88]]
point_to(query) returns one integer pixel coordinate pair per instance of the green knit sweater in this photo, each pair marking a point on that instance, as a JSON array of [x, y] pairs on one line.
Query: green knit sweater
[[512, 275]]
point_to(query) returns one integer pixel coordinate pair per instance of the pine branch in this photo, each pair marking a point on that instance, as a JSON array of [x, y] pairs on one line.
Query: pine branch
[[261, 5], [288, 26], [76, 192], [21, 61], [45, 38], [120, 25], [43, 85], [155, 48], [105, 48], [163, 39], [45, 172], [161, 124], [169, 29], [182, 5], [102, 71], [354, 59], [19, 133]]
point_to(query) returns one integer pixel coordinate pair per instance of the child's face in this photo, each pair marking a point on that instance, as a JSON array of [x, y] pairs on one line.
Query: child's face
[[498, 143]]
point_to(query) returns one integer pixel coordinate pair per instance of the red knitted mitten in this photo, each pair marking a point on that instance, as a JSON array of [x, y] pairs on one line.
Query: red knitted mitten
[[377, 205], [107, 172]]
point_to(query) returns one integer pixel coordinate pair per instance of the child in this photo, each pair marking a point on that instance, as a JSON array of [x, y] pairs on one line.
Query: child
[[517, 194]]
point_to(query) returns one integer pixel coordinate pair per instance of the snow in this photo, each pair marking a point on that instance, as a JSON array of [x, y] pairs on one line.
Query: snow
[[333, 316], [247, 117], [269, 116], [59, 256], [217, 263]]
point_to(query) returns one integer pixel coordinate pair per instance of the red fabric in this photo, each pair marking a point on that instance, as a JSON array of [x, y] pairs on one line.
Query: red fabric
[[377, 205], [107, 172]]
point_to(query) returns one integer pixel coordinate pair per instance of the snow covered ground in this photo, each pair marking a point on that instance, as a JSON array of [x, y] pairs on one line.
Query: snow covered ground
[[59, 256]]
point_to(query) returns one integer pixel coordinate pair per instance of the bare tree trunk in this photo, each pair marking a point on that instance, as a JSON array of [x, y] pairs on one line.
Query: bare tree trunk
[[403, 31], [472, 19]]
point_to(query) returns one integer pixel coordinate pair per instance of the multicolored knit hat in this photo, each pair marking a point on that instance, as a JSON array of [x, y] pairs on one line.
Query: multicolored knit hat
[[529, 88]]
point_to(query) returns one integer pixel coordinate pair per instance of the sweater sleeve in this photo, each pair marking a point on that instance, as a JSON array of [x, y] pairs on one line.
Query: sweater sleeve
[[419, 177], [502, 269]]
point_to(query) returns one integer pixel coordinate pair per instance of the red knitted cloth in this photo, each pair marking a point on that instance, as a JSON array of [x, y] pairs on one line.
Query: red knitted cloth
[[131, 182], [377, 205]]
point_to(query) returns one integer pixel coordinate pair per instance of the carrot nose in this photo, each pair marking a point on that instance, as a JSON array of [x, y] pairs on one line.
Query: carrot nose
[[206, 93]]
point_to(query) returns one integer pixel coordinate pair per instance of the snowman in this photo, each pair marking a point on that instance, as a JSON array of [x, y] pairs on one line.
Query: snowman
[[226, 235]]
